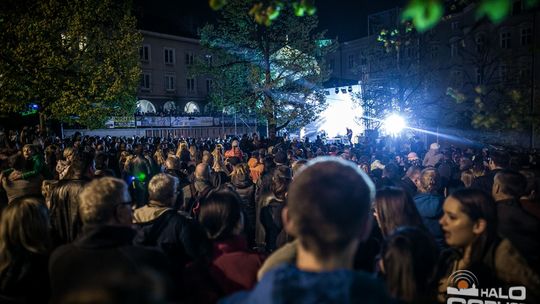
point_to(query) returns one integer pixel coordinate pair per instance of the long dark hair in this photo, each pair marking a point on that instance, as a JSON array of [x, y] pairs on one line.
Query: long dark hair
[[409, 257], [220, 214], [281, 179], [477, 205], [395, 208], [24, 230]]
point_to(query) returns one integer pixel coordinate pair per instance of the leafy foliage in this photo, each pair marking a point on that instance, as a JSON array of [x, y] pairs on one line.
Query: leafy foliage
[[75, 59], [274, 72]]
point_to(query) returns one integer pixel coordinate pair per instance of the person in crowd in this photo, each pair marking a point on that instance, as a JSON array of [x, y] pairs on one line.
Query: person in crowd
[[199, 188], [242, 184], [36, 165], [514, 223], [235, 150], [530, 200], [139, 172], [106, 241], [390, 175], [470, 229], [393, 208], [65, 201], [411, 180], [275, 235], [429, 203], [498, 161], [62, 166], [297, 166], [433, 156], [328, 212], [256, 169], [16, 188], [232, 266], [408, 265], [467, 178], [160, 224], [24, 252], [102, 166]]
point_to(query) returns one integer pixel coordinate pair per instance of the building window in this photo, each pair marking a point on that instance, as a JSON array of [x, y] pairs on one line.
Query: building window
[[207, 59], [209, 84], [170, 82], [480, 40], [351, 61], [503, 72], [189, 58], [190, 84], [526, 36], [455, 25], [145, 82], [506, 40], [144, 53], [169, 55], [453, 49]]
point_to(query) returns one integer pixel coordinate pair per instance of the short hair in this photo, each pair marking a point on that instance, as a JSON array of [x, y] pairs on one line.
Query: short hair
[[162, 187], [329, 202], [220, 214], [500, 158], [99, 199], [511, 182]]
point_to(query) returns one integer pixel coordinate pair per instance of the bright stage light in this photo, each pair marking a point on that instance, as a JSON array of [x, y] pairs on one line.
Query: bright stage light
[[394, 124]]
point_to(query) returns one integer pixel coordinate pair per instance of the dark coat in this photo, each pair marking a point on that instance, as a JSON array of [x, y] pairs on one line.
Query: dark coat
[[64, 210], [521, 229], [430, 208], [275, 236], [26, 280], [408, 185], [246, 190], [178, 236], [288, 284], [98, 251], [485, 182]]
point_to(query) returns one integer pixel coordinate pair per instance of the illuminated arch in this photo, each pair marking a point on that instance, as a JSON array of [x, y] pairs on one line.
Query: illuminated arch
[[191, 107], [145, 106]]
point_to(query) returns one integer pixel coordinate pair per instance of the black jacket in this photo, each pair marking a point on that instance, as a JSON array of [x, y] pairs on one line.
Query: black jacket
[[98, 252], [26, 280]]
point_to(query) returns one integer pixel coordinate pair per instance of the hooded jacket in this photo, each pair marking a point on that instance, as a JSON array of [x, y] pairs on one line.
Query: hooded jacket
[[430, 208]]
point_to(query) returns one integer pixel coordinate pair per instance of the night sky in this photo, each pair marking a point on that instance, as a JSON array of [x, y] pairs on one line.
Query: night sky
[[344, 19]]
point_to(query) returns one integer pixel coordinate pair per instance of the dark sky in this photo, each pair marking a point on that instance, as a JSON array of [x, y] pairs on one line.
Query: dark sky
[[345, 19]]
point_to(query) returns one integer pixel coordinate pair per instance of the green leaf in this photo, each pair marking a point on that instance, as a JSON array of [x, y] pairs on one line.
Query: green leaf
[[424, 14], [217, 4], [495, 10]]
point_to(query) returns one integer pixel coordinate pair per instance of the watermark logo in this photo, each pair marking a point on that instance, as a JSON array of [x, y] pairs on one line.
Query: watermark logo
[[463, 288]]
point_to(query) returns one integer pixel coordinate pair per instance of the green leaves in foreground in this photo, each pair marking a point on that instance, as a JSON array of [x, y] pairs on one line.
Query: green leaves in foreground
[[495, 10], [424, 14]]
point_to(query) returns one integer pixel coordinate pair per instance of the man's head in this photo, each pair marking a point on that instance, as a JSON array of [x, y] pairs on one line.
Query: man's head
[[499, 160], [105, 201], [328, 206], [202, 171], [508, 184], [171, 163], [162, 189]]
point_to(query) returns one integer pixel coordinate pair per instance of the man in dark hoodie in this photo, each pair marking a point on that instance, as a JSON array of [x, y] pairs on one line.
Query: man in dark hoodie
[[328, 212]]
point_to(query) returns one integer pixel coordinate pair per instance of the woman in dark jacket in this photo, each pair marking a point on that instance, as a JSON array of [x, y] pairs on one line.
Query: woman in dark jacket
[[24, 252], [275, 236], [242, 184]]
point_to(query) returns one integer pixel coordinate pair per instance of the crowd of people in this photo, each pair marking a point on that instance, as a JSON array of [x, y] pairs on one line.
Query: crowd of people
[[90, 219]]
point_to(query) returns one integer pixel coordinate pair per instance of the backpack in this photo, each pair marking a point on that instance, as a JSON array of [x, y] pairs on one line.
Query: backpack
[[194, 204]]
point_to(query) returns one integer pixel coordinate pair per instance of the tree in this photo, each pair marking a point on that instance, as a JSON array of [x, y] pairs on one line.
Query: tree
[[274, 71], [77, 60]]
